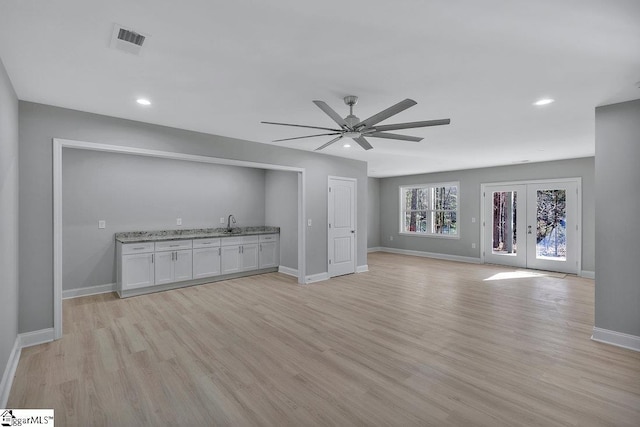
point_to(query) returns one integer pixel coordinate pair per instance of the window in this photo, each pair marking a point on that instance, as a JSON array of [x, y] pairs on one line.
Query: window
[[429, 209]]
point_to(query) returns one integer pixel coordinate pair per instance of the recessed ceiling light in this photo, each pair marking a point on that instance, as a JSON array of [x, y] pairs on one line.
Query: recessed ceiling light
[[143, 101], [347, 145], [544, 101]]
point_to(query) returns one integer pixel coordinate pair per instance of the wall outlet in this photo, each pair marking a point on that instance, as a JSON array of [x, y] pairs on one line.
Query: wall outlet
[[178, 221], [390, 237], [102, 224], [309, 223], [473, 246], [221, 220]]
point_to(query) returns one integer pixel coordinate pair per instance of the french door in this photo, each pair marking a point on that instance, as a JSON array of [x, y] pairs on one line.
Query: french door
[[533, 225]]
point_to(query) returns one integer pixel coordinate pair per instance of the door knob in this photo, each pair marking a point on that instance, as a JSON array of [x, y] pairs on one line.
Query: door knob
[[353, 231]]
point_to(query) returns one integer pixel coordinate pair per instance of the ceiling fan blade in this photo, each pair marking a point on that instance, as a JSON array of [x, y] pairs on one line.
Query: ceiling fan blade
[[362, 142], [385, 114], [308, 136], [414, 125], [331, 113], [328, 143], [301, 126], [395, 136]]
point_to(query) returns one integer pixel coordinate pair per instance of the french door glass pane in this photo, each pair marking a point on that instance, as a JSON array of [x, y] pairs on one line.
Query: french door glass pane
[[504, 223], [551, 235]]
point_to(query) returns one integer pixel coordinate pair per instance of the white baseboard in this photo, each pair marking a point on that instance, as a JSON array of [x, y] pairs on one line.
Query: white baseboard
[[91, 290], [36, 337], [618, 339], [434, 255], [374, 249], [317, 277], [362, 268], [288, 271], [9, 372], [588, 274]]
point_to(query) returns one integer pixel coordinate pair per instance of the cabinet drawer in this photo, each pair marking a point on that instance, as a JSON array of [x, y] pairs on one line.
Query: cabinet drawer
[[173, 245], [250, 239], [269, 238], [205, 243], [231, 241], [135, 248]]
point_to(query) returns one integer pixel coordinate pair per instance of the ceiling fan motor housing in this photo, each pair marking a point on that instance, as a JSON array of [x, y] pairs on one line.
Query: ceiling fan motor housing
[[351, 120]]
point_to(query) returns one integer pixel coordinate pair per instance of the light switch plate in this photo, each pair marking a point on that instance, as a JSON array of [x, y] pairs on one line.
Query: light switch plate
[[221, 220], [309, 223], [473, 219], [178, 221], [102, 223]]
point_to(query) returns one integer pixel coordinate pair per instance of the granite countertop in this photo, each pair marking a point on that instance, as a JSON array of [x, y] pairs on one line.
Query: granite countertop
[[195, 233]]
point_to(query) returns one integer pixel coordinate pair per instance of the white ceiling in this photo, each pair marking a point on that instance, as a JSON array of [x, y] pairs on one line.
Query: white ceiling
[[222, 67]]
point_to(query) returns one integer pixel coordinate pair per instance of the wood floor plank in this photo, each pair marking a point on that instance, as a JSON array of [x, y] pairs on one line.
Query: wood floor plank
[[414, 341]]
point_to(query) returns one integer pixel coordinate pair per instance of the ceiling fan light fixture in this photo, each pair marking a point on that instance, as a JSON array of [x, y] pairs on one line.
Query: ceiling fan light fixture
[[352, 135]]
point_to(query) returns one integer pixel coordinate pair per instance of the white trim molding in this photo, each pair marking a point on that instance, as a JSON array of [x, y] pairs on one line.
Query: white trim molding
[[374, 249], [588, 274], [90, 290], [288, 271], [362, 268], [27, 339], [9, 372], [434, 255], [618, 339], [320, 277], [42, 336]]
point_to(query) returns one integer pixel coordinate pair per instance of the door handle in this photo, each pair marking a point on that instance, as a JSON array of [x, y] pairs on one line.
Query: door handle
[[353, 231], [529, 232]]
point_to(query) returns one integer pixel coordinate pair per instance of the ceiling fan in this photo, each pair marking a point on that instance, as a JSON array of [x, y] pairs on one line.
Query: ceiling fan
[[352, 127]]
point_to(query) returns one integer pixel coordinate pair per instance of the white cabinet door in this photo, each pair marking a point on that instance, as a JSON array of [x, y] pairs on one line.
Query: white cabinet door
[[230, 261], [269, 254], [206, 262], [173, 266], [249, 255], [164, 267], [182, 265], [137, 271]]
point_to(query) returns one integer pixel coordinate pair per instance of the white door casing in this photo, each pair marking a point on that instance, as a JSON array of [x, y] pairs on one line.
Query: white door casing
[[341, 226]]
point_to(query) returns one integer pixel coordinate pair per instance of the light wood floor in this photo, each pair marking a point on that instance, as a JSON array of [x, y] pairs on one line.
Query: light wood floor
[[413, 342]]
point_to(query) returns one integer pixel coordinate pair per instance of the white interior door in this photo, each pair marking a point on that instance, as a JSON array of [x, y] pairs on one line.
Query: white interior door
[[342, 226], [533, 225]]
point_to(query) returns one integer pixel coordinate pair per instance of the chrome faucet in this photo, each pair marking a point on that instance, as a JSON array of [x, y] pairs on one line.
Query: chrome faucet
[[231, 218]]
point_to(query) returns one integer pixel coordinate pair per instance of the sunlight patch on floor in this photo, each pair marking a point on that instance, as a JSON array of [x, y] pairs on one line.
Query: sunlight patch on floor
[[523, 274]]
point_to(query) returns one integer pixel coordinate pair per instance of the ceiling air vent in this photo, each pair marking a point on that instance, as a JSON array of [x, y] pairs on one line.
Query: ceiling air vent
[[127, 40]]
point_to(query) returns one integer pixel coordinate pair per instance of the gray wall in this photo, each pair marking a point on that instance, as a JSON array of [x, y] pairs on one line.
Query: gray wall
[[470, 207], [373, 213], [617, 306], [281, 210], [8, 218], [142, 193], [38, 124]]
